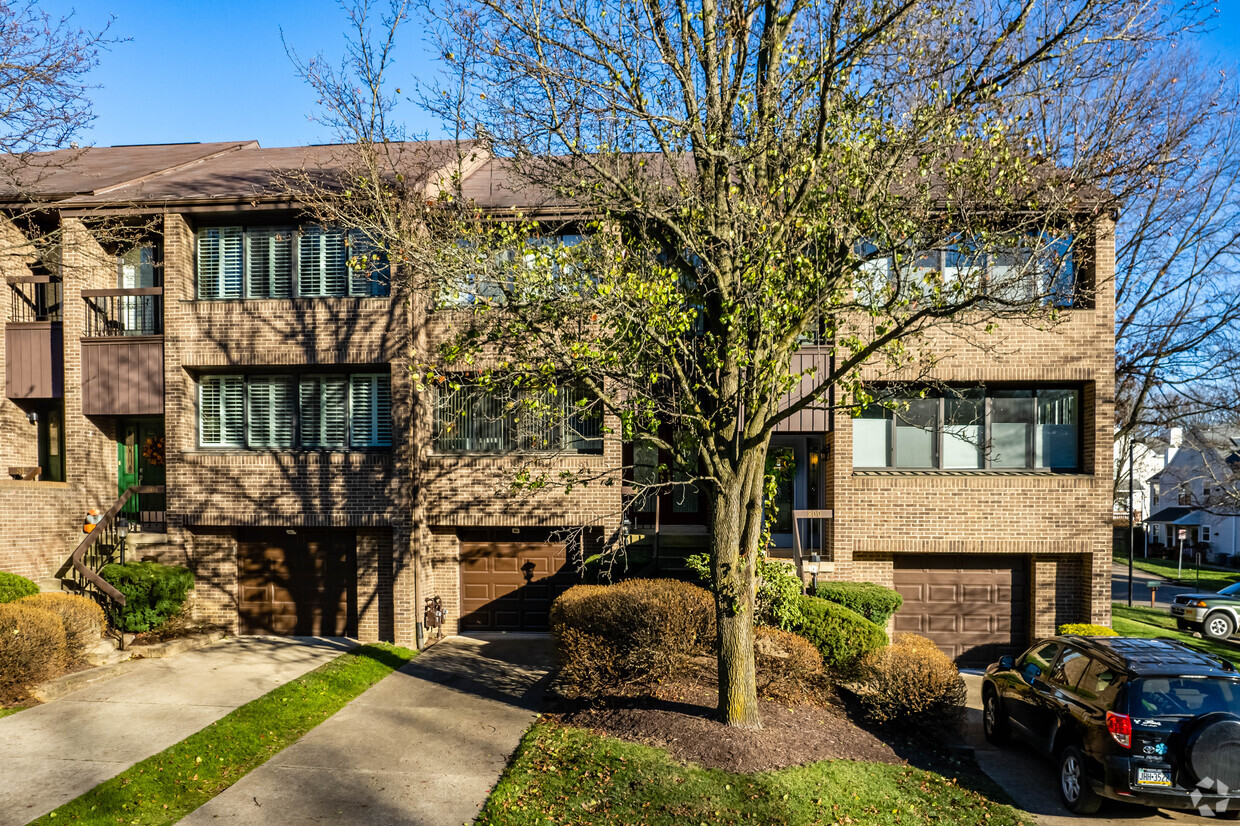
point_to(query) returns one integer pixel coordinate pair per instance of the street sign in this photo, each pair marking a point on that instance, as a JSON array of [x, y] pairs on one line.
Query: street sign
[[1183, 534]]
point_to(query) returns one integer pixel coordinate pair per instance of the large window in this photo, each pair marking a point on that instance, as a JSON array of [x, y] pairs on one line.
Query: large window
[[334, 411], [472, 418], [282, 262], [972, 428], [1039, 270]]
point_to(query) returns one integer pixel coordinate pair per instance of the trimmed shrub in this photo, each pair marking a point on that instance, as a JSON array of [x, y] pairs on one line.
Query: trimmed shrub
[[785, 663], [1083, 629], [911, 681], [14, 587], [637, 631], [874, 602], [32, 649], [82, 618], [841, 635], [153, 593], [779, 589]]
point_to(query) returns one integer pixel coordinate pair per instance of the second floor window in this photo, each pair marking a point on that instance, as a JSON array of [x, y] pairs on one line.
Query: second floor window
[[285, 261], [471, 418], [333, 411], [973, 428]]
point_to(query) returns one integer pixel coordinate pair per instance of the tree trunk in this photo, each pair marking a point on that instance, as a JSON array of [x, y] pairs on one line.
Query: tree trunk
[[736, 521]]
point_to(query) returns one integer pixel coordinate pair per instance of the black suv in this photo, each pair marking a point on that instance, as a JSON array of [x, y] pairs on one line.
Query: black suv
[[1140, 720]]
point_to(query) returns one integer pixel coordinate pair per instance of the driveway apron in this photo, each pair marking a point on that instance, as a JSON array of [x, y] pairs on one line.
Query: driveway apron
[[424, 746], [52, 753]]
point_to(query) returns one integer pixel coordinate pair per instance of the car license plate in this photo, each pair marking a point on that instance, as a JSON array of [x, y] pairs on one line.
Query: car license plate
[[1153, 777]]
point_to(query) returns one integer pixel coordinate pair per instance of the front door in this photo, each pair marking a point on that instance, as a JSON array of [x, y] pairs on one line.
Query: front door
[[798, 464], [140, 461]]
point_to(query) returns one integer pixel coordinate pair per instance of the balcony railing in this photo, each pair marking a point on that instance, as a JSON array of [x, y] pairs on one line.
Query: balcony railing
[[34, 298], [132, 312]]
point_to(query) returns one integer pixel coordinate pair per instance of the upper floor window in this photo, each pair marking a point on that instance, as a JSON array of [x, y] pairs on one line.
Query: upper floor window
[[333, 411], [471, 418], [972, 428], [283, 262], [1040, 269]]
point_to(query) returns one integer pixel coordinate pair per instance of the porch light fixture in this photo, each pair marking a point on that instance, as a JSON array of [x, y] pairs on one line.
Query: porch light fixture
[[32, 417], [122, 527], [290, 531]]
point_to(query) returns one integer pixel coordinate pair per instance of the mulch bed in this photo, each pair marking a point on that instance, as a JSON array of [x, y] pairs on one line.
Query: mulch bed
[[174, 629], [680, 716]]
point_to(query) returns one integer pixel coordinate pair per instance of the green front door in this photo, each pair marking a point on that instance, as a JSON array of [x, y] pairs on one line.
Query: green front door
[[140, 461]]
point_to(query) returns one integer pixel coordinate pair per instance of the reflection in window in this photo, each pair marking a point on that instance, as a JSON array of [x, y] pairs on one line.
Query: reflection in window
[[972, 428]]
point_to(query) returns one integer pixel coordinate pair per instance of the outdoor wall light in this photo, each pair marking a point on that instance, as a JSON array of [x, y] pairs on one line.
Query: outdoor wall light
[[32, 417], [122, 527]]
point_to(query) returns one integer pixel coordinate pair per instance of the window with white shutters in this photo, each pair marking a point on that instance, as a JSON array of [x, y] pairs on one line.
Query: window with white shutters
[[269, 262], [370, 410], [221, 264], [221, 411], [322, 265], [324, 411], [337, 411], [271, 412]]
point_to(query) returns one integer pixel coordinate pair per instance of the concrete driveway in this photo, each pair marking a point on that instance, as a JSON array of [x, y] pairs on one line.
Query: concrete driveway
[[52, 753], [423, 746], [1033, 783]]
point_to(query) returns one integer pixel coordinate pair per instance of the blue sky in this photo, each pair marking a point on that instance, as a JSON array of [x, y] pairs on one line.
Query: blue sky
[[213, 70]]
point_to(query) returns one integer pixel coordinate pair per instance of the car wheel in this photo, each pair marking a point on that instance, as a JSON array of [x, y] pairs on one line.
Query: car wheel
[[1218, 626], [994, 719], [1074, 789]]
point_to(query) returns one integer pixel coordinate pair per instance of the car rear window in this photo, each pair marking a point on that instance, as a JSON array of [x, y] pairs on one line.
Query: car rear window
[[1184, 696]]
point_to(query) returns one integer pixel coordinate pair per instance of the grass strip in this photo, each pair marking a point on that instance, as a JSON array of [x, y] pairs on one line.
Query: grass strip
[[1156, 623], [565, 775], [1212, 577], [167, 786], [5, 712]]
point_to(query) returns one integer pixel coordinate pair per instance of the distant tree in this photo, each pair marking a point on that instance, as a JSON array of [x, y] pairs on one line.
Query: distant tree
[[752, 179]]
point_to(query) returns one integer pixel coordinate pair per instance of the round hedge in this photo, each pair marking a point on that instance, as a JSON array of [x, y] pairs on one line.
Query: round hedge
[[840, 634], [32, 649], [874, 602], [14, 587]]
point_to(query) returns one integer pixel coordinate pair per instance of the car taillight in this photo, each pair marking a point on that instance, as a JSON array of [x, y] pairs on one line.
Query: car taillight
[[1120, 726]]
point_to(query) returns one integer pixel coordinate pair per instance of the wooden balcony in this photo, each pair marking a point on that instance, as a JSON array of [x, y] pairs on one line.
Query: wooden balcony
[[123, 352], [34, 339]]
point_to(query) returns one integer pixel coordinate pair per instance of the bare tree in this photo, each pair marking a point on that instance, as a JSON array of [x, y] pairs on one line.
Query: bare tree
[[751, 180]]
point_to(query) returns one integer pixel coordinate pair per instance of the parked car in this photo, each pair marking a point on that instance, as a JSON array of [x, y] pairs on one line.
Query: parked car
[[1215, 615], [1145, 721]]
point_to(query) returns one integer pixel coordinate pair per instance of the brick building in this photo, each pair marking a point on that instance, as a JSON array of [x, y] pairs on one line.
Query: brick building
[[222, 348]]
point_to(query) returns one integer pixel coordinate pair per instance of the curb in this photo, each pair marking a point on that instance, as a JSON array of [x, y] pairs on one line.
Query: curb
[[160, 650]]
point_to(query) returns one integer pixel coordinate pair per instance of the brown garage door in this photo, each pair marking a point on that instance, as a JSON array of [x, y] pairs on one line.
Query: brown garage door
[[509, 586], [301, 584], [975, 608]]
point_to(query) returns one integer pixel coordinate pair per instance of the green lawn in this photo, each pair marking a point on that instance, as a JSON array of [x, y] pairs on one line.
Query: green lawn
[[565, 775], [1212, 578], [1156, 622], [167, 786], [5, 712]]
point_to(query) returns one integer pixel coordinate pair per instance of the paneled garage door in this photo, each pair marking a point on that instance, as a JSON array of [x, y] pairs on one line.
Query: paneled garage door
[[300, 584], [509, 586], [975, 608]]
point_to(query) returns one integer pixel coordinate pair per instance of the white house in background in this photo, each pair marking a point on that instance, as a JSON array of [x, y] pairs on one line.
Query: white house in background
[[1148, 458], [1196, 495]]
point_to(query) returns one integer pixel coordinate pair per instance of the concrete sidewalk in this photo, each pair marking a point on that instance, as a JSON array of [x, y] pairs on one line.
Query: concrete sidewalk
[[52, 753], [424, 746]]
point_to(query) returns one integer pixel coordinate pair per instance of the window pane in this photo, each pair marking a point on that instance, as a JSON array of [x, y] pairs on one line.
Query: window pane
[[915, 434], [685, 465], [369, 273], [645, 472], [221, 411], [271, 410], [269, 261], [220, 262], [872, 437], [1057, 271], [1011, 278], [1057, 434], [371, 411], [322, 268], [324, 411], [964, 432], [1011, 429]]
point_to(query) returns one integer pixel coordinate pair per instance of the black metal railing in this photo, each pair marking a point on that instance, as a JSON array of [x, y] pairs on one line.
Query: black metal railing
[[147, 509], [135, 312], [34, 298]]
